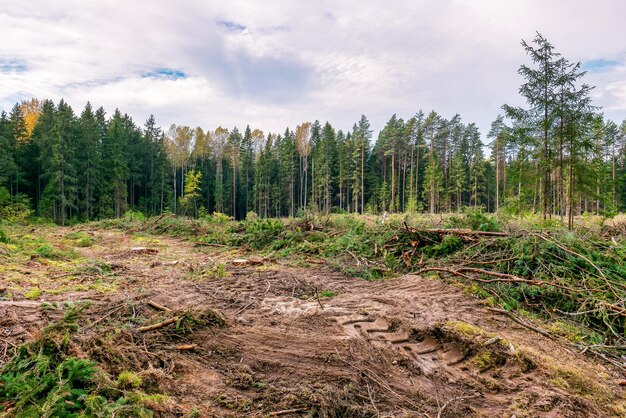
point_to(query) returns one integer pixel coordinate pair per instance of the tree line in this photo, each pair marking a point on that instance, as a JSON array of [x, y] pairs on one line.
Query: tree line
[[557, 156]]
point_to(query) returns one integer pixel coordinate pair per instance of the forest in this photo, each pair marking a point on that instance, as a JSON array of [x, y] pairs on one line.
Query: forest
[[557, 156], [427, 270]]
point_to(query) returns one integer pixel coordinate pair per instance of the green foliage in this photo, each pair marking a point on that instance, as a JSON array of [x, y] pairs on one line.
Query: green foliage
[[45, 379], [262, 232], [448, 245], [133, 215], [16, 208], [127, 379], [475, 219], [4, 238]]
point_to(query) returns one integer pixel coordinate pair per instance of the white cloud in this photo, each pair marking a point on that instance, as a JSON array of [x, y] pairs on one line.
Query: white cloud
[[277, 63]]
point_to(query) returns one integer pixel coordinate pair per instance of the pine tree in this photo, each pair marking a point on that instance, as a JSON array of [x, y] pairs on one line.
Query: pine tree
[[303, 146], [247, 170], [218, 141], [115, 164], [88, 155], [234, 149]]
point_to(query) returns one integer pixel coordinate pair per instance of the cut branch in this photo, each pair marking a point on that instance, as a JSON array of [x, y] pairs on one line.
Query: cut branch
[[159, 325]]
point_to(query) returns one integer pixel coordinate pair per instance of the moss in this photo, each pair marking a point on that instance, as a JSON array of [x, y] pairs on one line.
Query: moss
[[127, 380], [577, 381], [483, 361], [467, 330], [33, 293]]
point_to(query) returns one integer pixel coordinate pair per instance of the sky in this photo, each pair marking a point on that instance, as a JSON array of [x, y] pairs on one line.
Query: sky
[[273, 64]]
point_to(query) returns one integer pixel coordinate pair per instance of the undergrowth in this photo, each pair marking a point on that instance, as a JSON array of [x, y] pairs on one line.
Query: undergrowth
[[49, 378]]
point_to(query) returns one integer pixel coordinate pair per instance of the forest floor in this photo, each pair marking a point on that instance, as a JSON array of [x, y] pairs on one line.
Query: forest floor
[[271, 338]]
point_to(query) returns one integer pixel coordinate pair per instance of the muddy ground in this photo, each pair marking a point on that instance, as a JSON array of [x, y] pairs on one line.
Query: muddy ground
[[307, 341]]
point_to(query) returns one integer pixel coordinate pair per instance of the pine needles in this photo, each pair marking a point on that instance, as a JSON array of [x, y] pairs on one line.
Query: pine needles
[[47, 378]]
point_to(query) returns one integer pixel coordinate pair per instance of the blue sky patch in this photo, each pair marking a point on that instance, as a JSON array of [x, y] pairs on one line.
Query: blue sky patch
[[231, 26], [166, 73], [12, 66], [600, 64]]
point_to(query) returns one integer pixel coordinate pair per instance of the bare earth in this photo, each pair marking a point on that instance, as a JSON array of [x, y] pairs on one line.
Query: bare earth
[[406, 347]]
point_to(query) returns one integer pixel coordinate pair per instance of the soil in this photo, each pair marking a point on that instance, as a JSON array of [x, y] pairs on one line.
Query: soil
[[298, 342]]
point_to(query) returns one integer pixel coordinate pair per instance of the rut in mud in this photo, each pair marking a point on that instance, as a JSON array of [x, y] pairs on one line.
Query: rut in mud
[[297, 342]]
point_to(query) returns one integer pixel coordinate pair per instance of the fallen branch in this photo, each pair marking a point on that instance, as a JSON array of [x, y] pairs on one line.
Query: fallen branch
[[209, 244], [152, 223], [159, 325], [286, 411], [358, 262], [501, 277], [317, 295], [111, 312], [185, 347], [158, 307], [522, 323]]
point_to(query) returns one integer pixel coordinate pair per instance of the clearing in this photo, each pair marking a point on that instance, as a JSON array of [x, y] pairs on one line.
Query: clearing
[[273, 339]]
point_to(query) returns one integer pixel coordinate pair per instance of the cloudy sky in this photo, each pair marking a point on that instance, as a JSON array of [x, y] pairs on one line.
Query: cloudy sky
[[274, 64]]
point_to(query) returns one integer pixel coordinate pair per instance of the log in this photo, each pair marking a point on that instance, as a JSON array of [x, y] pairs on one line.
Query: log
[[159, 325]]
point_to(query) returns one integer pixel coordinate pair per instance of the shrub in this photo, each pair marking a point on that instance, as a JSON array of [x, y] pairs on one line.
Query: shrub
[[134, 215], [475, 219], [261, 233], [4, 238]]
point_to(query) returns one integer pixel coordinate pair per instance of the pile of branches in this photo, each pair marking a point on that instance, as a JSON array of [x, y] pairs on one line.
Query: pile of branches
[[563, 274]]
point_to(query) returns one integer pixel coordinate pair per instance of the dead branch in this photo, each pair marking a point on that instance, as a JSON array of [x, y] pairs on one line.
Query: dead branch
[[522, 323], [111, 312], [208, 244], [185, 347], [501, 277], [286, 411], [317, 295], [358, 262], [159, 325], [158, 307]]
